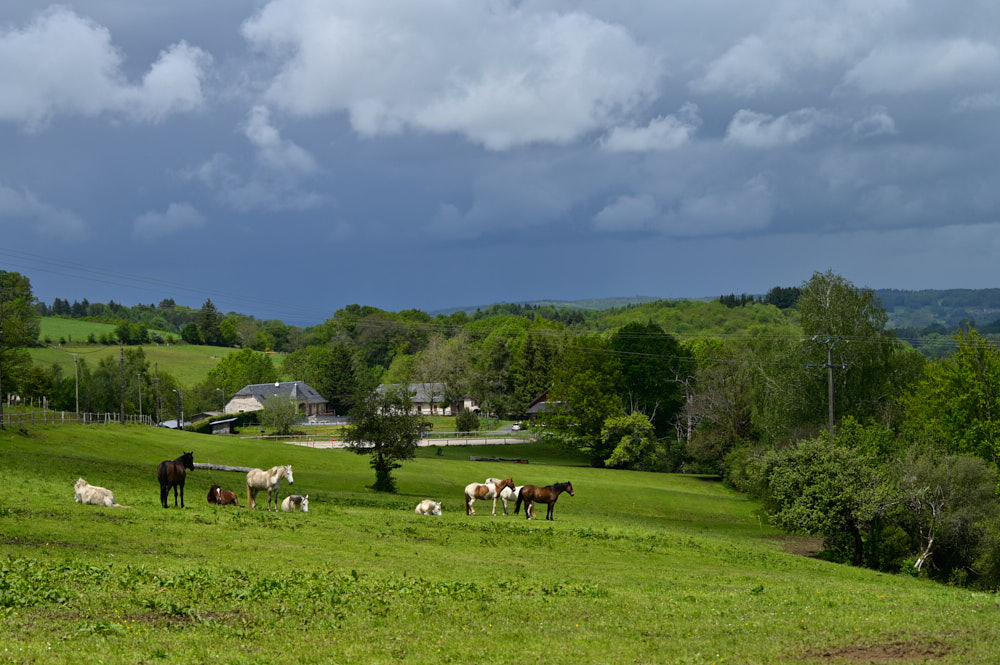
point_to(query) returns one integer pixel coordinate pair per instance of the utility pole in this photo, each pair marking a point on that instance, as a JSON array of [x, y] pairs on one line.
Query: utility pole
[[156, 383], [121, 362], [138, 378], [76, 381], [829, 342]]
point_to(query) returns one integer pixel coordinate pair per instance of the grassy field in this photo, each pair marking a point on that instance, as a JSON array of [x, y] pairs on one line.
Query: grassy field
[[636, 568], [189, 364]]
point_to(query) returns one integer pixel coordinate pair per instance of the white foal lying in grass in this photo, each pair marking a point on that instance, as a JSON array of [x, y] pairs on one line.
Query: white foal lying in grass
[[93, 495]]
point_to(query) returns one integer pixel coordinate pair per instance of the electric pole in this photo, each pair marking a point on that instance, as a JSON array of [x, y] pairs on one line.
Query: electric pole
[[829, 342], [121, 362]]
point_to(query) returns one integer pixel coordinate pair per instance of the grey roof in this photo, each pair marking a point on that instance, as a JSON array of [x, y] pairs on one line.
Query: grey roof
[[297, 390]]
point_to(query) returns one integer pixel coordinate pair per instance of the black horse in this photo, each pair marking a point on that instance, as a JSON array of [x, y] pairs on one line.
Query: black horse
[[172, 474], [530, 494]]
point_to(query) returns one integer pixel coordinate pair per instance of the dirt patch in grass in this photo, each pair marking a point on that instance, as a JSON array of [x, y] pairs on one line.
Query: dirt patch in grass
[[898, 650], [802, 545]]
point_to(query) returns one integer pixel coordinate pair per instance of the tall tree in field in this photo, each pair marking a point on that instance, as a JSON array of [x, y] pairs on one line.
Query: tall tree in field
[[209, 324], [585, 393], [384, 427], [19, 328], [956, 408], [328, 369], [653, 368], [242, 368], [847, 354]]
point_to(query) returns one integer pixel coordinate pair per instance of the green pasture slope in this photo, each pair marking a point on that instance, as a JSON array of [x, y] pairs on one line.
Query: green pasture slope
[[636, 568], [188, 363]]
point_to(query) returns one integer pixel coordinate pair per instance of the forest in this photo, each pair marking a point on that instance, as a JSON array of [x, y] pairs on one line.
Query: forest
[[807, 398]]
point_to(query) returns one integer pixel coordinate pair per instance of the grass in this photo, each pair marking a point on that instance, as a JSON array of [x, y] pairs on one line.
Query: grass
[[637, 568]]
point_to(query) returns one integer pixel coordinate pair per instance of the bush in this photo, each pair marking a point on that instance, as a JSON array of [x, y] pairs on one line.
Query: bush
[[467, 421]]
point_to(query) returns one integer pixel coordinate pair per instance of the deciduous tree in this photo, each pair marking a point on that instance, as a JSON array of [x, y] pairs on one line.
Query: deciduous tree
[[383, 427]]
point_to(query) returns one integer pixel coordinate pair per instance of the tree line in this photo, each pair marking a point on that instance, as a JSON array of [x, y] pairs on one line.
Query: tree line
[[809, 403]]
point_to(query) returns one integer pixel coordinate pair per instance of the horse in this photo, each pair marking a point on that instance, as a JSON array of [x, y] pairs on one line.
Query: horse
[[475, 491], [295, 502], [428, 507], [222, 497], [270, 480], [172, 474], [548, 494], [507, 494], [84, 492]]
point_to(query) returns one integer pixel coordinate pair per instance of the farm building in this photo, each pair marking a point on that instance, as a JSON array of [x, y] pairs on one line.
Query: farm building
[[427, 399], [252, 397]]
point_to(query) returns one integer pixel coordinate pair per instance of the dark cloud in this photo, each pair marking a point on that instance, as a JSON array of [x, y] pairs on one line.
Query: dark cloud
[[458, 152]]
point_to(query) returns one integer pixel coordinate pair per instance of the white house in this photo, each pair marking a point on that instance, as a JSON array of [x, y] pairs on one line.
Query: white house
[[251, 398], [428, 397]]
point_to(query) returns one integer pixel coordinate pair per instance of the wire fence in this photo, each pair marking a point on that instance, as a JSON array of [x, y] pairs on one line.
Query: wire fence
[[25, 420]]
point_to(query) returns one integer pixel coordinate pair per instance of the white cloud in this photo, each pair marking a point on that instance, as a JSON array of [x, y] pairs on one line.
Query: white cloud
[[628, 213], [749, 207], [920, 66], [272, 181], [62, 63], [662, 133], [22, 207], [273, 151], [799, 36], [877, 122], [497, 73], [985, 101], [761, 130], [177, 218]]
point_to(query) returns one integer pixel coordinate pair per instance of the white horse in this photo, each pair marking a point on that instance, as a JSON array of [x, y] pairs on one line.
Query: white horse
[[428, 507], [475, 491], [270, 480], [295, 502], [84, 492], [507, 493]]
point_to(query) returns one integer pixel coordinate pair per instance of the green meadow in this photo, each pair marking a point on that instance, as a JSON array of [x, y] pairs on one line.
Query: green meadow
[[636, 568], [188, 363]]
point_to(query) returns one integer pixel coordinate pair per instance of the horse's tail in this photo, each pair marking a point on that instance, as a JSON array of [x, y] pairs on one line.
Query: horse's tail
[[468, 503], [517, 506]]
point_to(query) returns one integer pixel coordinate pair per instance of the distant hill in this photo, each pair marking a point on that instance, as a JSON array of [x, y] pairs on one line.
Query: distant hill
[[591, 304], [949, 308]]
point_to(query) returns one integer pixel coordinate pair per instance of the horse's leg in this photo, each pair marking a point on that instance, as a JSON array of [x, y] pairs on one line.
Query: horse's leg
[[182, 494], [504, 504], [164, 493], [494, 505]]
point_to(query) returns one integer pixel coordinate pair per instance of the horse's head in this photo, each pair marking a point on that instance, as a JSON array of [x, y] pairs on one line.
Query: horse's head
[[506, 482], [80, 483], [305, 503], [569, 489], [187, 459], [288, 474]]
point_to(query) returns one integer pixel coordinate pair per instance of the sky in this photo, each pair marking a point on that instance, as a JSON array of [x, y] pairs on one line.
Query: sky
[[286, 158]]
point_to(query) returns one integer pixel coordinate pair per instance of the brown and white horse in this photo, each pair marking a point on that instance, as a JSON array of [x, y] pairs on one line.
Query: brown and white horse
[[270, 480], [222, 497], [506, 494], [548, 494], [475, 491]]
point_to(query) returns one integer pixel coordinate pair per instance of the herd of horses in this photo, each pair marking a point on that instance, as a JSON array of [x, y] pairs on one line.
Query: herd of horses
[[173, 473], [505, 490]]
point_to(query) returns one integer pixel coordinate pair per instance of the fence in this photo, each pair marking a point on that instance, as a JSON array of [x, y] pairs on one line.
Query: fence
[[22, 420]]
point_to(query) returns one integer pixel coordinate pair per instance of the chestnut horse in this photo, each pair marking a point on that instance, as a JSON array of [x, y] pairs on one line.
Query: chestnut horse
[[548, 494], [172, 474], [222, 497], [475, 491]]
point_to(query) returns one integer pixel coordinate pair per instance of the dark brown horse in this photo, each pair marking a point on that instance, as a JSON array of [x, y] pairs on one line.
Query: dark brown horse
[[548, 494], [172, 474], [222, 497]]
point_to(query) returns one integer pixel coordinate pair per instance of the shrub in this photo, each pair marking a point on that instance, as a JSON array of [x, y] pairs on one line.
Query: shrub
[[467, 421]]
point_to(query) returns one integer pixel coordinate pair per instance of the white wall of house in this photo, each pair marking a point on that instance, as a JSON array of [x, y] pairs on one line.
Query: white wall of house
[[238, 404]]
